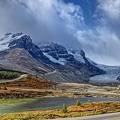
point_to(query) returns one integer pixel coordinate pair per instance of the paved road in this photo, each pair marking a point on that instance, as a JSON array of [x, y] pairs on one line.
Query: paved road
[[97, 91], [111, 116], [16, 79]]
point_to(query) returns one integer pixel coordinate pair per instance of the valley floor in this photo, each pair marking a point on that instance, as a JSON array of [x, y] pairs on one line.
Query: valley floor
[[87, 90], [32, 87]]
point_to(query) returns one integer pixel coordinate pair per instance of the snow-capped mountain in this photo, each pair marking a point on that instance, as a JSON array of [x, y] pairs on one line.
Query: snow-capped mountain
[[70, 65]]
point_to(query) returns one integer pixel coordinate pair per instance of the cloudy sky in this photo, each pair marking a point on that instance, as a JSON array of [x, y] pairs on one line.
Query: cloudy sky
[[92, 25]]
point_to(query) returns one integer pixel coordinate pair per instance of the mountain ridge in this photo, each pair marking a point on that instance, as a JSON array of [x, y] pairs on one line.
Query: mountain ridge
[[71, 65]]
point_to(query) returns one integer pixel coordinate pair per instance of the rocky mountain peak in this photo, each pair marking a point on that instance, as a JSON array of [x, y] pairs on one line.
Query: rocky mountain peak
[[19, 40], [56, 53], [8, 41], [53, 47]]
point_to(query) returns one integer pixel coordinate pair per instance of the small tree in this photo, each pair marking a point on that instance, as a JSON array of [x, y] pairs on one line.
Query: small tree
[[5, 88], [64, 108], [88, 102], [78, 103]]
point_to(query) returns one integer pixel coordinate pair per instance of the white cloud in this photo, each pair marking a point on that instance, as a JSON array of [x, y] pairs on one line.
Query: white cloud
[[72, 16], [102, 42], [110, 15], [111, 8], [44, 20]]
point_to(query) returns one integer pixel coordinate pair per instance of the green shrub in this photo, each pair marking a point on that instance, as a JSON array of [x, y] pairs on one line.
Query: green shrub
[[29, 76], [64, 108], [88, 102], [78, 103], [8, 75], [50, 116]]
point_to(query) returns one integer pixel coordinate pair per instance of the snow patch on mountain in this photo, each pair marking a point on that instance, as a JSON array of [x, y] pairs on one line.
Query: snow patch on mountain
[[61, 61], [17, 36], [77, 55], [4, 42], [55, 52]]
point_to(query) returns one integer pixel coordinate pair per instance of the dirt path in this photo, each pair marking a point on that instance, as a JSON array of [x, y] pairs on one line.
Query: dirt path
[[16, 79]]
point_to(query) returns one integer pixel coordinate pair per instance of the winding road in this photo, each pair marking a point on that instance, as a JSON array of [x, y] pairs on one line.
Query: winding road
[[16, 79], [111, 116]]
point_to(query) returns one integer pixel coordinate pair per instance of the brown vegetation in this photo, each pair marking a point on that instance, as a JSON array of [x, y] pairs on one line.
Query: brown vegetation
[[25, 88], [29, 82]]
